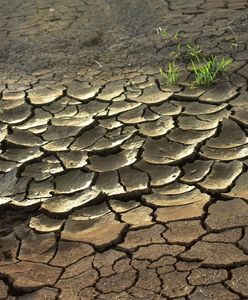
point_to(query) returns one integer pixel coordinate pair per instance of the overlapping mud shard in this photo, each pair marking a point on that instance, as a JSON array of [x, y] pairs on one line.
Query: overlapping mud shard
[[69, 152], [123, 189]]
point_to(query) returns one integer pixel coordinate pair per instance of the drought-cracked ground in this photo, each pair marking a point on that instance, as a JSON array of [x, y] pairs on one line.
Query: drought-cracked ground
[[113, 186]]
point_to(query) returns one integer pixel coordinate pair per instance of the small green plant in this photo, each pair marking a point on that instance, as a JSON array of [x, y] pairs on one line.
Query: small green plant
[[224, 64], [234, 46], [171, 75], [166, 35], [207, 72], [205, 69], [175, 36], [163, 32], [178, 53], [194, 51], [235, 42]]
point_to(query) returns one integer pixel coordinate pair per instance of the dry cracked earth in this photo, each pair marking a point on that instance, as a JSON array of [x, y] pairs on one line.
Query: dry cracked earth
[[113, 186]]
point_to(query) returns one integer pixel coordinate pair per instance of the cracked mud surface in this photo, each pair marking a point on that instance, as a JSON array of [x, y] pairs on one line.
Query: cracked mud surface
[[113, 186]]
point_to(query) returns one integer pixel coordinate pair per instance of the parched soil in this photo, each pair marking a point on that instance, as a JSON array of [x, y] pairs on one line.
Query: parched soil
[[80, 36], [113, 185]]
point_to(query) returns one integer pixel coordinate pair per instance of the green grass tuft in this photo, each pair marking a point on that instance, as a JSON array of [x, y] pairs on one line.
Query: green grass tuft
[[205, 69], [171, 75], [207, 72], [194, 51]]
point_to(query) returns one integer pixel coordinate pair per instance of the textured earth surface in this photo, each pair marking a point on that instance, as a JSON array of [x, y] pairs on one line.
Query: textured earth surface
[[113, 186]]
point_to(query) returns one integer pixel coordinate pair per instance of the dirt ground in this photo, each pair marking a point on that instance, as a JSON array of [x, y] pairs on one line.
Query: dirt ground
[[108, 35], [114, 186]]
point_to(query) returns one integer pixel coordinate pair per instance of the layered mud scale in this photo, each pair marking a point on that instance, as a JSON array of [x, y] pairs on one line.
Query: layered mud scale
[[126, 188]]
